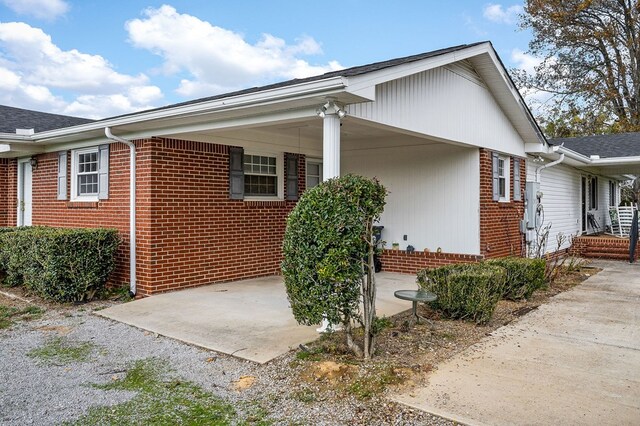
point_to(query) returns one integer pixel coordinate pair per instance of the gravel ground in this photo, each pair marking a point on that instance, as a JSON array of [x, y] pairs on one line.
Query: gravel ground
[[33, 392]]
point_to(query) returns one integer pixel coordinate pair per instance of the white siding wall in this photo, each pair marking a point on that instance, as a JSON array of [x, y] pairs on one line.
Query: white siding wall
[[450, 103], [434, 193], [562, 201]]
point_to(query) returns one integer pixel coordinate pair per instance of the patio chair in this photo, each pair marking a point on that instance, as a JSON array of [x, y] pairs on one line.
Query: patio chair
[[625, 217]]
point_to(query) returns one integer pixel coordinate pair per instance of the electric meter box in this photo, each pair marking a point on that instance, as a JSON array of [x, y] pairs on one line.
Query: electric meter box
[[532, 201]]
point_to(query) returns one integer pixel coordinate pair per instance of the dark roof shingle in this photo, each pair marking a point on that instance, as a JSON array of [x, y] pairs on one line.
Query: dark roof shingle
[[347, 72], [12, 118], [606, 146]]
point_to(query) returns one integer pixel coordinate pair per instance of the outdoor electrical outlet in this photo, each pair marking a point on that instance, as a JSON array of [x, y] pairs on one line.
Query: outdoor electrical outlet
[[405, 237]]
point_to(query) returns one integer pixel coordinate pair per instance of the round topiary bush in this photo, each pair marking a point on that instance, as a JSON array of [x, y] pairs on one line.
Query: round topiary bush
[[328, 253]]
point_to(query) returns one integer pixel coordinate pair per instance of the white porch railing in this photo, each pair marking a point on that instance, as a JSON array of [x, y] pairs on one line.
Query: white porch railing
[[621, 219]]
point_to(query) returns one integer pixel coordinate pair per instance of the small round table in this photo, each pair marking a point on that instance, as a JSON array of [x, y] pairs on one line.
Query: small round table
[[415, 296]]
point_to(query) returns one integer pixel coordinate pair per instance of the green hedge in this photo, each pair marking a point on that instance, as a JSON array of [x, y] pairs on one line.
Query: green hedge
[[60, 264], [465, 291], [524, 276]]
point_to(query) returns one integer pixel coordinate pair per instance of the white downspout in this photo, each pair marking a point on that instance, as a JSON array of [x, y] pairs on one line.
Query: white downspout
[[546, 166], [132, 207]]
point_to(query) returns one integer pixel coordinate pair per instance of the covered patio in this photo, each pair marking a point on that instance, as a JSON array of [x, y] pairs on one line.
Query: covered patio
[[250, 319]]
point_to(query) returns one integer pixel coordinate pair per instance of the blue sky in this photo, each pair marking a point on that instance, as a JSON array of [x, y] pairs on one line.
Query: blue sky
[[97, 58]]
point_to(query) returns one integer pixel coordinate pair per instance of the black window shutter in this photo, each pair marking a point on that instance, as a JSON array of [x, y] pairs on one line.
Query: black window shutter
[[496, 177], [517, 196], [292, 177], [236, 173]]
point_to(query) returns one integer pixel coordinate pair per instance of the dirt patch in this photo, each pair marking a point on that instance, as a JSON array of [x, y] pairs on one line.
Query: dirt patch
[[244, 383]]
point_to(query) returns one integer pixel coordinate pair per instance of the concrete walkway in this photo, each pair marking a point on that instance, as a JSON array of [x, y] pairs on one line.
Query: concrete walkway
[[250, 319], [575, 360]]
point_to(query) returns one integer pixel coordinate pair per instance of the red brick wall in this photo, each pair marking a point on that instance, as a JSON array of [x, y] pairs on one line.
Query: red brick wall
[[200, 236], [189, 232], [500, 221], [110, 213], [4, 192], [410, 263]]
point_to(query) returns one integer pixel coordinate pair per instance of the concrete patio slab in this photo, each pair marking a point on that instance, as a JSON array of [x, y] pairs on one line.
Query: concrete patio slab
[[575, 360], [249, 319]]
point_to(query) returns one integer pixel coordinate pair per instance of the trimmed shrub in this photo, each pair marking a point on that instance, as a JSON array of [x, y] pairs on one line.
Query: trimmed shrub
[[60, 264], [524, 276], [465, 291]]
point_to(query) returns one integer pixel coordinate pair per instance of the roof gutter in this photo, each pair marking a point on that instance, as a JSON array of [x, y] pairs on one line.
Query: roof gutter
[[234, 102], [132, 207]]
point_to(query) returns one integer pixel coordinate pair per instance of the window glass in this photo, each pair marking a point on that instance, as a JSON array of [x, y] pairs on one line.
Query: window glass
[[314, 173], [260, 175], [87, 173]]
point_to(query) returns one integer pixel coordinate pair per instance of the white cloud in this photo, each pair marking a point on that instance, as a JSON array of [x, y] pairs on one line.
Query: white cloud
[[41, 9], [217, 59], [498, 13], [35, 73], [525, 61]]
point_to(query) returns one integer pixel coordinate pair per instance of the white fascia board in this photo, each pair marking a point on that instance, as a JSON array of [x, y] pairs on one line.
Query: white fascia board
[[536, 148], [617, 161], [225, 124], [12, 137], [371, 79], [302, 90]]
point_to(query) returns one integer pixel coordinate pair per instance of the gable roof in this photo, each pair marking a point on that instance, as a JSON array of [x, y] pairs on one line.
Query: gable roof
[[346, 72], [605, 146], [12, 118]]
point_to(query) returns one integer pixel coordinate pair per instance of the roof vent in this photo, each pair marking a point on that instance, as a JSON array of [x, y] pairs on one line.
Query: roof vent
[[25, 132], [595, 157]]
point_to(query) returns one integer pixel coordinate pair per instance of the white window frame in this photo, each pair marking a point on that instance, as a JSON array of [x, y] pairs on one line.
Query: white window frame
[[279, 176], [306, 177], [504, 198], [74, 174]]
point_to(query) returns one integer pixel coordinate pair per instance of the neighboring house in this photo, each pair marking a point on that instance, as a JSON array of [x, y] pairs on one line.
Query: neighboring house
[[446, 132], [586, 182]]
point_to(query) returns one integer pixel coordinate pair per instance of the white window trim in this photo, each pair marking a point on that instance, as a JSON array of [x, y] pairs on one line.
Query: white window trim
[[306, 169], [279, 174], [507, 179], [74, 175]]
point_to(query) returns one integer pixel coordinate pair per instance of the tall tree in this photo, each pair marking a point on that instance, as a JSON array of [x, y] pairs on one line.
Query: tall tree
[[590, 52]]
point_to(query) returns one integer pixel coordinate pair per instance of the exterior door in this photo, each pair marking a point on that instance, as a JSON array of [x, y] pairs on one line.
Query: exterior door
[[24, 193], [583, 203]]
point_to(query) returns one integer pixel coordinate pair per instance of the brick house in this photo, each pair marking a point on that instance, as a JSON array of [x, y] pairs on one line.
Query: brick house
[[214, 179]]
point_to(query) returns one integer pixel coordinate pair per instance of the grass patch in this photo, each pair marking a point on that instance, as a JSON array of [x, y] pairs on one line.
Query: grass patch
[[305, 395], [10, 314], [374, 382], [61, 351], [163, 400]]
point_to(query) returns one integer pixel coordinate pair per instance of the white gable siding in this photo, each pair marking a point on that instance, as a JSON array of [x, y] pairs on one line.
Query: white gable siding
[[450, 103], [434, 193]]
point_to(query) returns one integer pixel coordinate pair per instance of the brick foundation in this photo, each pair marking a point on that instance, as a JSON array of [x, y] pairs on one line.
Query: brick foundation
[[500, 221], [604, 247], [410, 263]]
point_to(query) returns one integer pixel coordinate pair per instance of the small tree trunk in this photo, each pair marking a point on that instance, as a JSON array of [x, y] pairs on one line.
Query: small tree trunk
[[350, 343], [369, 295]]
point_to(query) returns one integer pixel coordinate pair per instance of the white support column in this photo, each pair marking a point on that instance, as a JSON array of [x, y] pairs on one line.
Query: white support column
[[331, 114], [331, 146]]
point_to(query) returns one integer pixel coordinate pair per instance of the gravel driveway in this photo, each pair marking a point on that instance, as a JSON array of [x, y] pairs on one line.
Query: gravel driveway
[[36, 391]]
